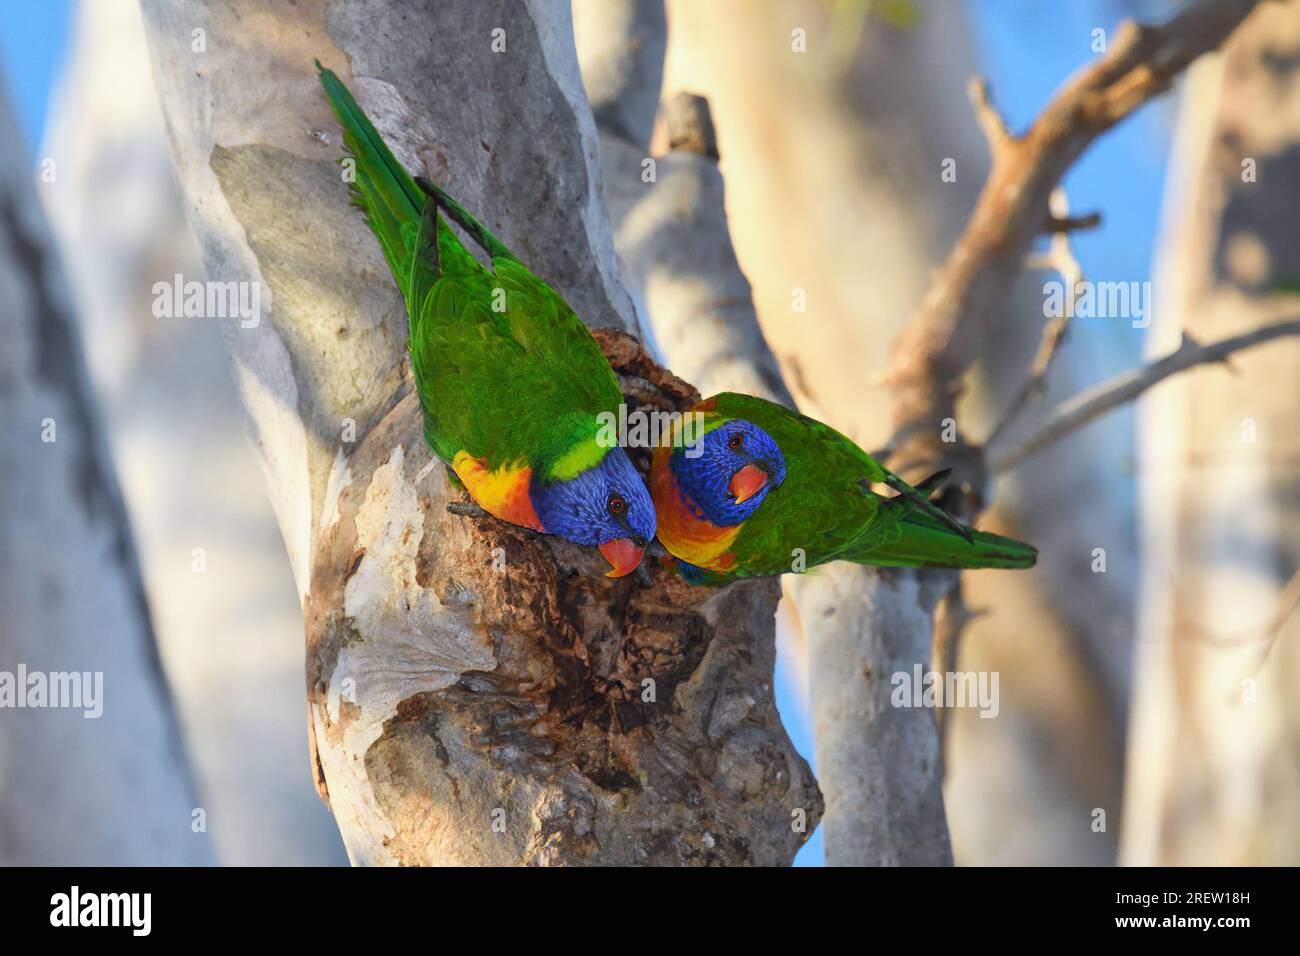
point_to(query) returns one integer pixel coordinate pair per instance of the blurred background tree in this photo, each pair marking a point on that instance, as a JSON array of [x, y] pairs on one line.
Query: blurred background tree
[[1212, 762], [228, 622]]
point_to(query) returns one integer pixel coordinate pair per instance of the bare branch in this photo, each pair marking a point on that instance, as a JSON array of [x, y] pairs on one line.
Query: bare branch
[[951, 619], [1266, 635], [1072, 223], [1107, 396], [1060, 257], [964, 301], [992, 123], [690, 125]]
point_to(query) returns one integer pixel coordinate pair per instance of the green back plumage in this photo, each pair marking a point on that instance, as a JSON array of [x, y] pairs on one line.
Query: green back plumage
[[824, 508], [504, 368]]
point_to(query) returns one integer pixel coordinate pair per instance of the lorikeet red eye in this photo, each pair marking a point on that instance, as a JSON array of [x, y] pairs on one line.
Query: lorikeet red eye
[[735, 441], [617, 505]]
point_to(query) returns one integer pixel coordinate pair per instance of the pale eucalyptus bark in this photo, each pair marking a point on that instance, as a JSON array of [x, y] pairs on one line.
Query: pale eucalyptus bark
[[1213, 773], [74, 789], [476, 696]]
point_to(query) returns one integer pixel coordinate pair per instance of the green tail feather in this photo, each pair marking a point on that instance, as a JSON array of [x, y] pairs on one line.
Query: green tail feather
[[925, 542], [383, 187], [415, 240]]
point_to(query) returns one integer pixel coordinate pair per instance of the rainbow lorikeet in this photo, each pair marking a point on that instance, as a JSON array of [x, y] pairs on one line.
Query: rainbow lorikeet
[[767, 490], [510, 381]]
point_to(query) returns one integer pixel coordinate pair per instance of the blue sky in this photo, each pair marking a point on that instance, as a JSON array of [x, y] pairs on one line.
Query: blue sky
[[1026, 47], [33, 40]]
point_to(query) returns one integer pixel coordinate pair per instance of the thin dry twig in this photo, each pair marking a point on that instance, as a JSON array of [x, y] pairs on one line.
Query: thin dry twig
[[991, 120], [1288, 601], [953, 616], [1092, 403], [1068, 223], [1060, 257]]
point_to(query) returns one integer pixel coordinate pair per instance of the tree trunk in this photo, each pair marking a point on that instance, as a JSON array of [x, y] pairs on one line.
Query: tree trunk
[[1214, 778], [476, 696], [101, 779]]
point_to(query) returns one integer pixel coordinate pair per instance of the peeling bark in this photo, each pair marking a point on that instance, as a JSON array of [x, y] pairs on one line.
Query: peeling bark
[[468, 705], [508, 686]]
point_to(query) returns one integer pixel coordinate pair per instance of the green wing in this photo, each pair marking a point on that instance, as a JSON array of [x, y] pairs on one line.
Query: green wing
[[382, 187], [826, 508], [504, 368]]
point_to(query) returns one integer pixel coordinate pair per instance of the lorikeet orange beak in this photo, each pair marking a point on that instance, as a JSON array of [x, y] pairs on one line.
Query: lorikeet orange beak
[[747, 482], [623, 554]]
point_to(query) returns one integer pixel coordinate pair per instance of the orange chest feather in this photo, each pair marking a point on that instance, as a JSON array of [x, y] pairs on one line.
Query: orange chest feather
[[683, 529], [502, 492]]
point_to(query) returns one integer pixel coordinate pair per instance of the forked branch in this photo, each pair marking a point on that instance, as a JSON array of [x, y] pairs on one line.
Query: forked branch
[[962, 305], [1092, 403]]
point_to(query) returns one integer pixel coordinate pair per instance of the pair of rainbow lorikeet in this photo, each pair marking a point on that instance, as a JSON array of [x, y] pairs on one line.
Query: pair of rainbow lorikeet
[[513, 399]]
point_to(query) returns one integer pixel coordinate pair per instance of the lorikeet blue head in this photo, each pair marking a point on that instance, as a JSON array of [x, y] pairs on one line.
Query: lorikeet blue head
[[512, 397], [739, 465], [606, 505]]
